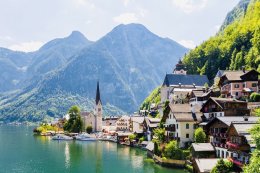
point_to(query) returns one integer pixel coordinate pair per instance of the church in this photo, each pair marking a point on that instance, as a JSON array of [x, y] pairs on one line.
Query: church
[[178, 84], [94, 118]]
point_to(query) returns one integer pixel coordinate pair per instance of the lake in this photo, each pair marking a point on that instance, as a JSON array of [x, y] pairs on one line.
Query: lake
[[22, 152]]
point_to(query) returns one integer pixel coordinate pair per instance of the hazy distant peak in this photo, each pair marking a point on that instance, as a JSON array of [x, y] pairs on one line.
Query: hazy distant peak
[[77, 35]]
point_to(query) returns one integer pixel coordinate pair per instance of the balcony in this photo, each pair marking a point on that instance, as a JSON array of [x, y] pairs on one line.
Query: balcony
[[233, 145], [236, 161]]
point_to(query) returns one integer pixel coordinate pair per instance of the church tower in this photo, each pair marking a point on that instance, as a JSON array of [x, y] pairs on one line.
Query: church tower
[[98, 111], [180, 68]]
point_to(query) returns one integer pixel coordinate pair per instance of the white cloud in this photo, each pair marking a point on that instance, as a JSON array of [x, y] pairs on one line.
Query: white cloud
[[126, 18], [189, 6], [188, 43], [27, 46], [126, 2], [84, 3]]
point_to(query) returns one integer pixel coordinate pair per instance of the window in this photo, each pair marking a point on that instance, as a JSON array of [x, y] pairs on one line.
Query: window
[[236, 93], [244, 85], [220, 114], [254, 84], [187, 135], [236, 85], [194, 126], [177, 135], [177, 126], [187, 126]]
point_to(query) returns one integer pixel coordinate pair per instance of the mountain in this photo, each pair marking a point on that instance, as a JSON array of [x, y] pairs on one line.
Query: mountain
[[238, 11], [236, 46], [19, 69], [128, 62], [13, 67]]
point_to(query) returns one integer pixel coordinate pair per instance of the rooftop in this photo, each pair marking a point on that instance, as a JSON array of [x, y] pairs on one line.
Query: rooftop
[[206, 165], [229, 119], [177, 79], [181, 108], [202, 147]]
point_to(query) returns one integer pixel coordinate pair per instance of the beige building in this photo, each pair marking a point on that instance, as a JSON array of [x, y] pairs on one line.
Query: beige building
[[94, 118], [137, 124], [181, 123], [123, 123]]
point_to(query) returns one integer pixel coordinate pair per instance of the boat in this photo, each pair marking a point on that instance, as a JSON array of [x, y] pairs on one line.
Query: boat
[[62, 137], [85, 137]]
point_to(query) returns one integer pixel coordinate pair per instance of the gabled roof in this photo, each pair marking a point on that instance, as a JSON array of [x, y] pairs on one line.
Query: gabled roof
[[183, 112], [221, 101], [198, 93], [229, 119], [237, 75], [176, 79], [243, 128], [181, 108], [202, 147], [152, 122], [206, 165]]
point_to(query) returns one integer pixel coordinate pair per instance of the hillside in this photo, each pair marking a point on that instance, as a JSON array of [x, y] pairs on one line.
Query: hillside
[[19, 69], [236, 46], [125, 61]]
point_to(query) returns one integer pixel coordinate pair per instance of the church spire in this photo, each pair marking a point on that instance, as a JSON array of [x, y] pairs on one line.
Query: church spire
[[98, 94]]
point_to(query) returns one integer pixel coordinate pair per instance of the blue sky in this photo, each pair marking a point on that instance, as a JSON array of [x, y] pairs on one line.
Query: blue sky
[[28, 24]]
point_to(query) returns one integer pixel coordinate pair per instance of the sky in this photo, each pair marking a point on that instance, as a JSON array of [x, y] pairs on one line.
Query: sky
[[28, 24]]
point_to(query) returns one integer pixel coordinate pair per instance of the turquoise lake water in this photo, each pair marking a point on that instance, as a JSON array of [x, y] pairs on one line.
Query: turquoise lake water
[[21, 152]]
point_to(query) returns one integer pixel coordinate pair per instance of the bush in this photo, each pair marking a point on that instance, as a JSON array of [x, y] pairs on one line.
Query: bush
[[255, 97], [132, 137], [172, 151], [89, 129], [199, 135], [222, 167]]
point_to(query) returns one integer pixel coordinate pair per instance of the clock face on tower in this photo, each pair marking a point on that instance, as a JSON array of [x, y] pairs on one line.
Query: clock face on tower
[[99, 109]]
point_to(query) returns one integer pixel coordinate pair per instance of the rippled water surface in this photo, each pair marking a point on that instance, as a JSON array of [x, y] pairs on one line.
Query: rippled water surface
[[22, 152]]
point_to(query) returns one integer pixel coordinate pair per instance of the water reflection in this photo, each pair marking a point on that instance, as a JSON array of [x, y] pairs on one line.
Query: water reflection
[[67, 155]]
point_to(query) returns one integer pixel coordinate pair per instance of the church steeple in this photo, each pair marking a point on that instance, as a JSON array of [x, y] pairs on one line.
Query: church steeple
[[98, 94]]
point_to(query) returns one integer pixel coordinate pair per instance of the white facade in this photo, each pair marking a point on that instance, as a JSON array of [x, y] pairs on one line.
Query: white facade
[[123, 123]]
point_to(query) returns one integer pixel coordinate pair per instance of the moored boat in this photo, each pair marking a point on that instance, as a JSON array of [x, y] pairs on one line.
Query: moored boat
[[62, 137], [85, 137]]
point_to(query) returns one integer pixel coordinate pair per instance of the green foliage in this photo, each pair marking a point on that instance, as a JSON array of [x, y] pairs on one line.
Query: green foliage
[[154, 97], [222, 167], [132, 137], [255, 97], [159, 134], [166, 111], [189, 167], [141, 139], [172, 150], [44, 127], [156, 149], [254, 165], [236, 46], [75, 123], [199, 136], [89, 129]]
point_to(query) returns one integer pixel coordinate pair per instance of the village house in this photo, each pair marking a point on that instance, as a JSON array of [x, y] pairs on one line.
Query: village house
[[123, 123], [240, 143], [94, 119], [181, 123], [238, 84], [200, 96], [109, 124], [218, 107], [137, 125], [204, 165], [179, 84], [217, 128], [149, 125]]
